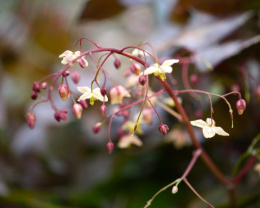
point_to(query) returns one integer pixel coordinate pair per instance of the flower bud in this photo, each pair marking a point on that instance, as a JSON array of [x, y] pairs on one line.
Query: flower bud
[[194, 78], [64, 92], [117, 64], [75, 77], [77, 110], [96, 128], [241, 106], [117, 94], [44, 85], [103, 109], [36, 87], [110, 147], [163, 129], [66, 73], [61, 115], [83, 62], [34, 95], [142, 80], [136, 68], [30, 118], [83, 103], [174, 189], [103, 91]]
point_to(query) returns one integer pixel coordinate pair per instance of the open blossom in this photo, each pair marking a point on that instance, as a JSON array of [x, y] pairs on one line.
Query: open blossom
[[91, 94], [160, 70], [117, 94], [208, 128], [68, 56], [129, 139]]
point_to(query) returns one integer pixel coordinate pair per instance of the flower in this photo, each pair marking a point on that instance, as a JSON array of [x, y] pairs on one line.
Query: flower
[[160, 70], [132, 126], [68, 56], [91, 94], [117, 94], [129, 139], [208, 128]]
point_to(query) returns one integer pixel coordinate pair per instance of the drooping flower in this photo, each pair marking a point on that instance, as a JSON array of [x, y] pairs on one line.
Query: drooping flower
[[208, 128], [117, 94], [160, 70], [68, 56], [91, 94], [129, 139]]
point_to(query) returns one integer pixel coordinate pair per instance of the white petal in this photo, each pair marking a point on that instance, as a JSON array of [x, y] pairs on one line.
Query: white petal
[[85, 96], [97, 94], [77, 53], [136, 141], [170, 62], [65, 53], [210, 122], [220, 131], [150, 70], [199, 123], [64, 61], [208, 132], [165, 69], [83, 89]]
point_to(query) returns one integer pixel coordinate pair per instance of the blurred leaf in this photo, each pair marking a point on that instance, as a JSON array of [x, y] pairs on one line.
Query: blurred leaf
[[101, 9]]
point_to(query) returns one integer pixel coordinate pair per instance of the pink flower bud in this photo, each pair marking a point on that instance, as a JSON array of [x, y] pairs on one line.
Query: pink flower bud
[[174, 189], [36, 87], [103, 109], [117, 94], [83, 62], [44, 85], [142, 80], [66, 73], [30, 118], [34, 95], [64, 92], [83, 103], [75, 77], [96, 128], [194, 78], [163, 129], [136, 68], [241, 106], [110, 147], [117, 64], [61, 115], [77, 110], [103, 91]]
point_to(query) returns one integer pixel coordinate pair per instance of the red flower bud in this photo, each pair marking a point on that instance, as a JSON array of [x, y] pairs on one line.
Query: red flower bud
[[30, 118], [77, 110], [241, 106], [96, 128], [103, 91], [75, 77], [34, 95], [110, 147], [83, 103], [136, 68], [64, 92], [117, 64], [103, 109], [61, 115], [142, 80], [66, 73], [36, 87], [163, 129]]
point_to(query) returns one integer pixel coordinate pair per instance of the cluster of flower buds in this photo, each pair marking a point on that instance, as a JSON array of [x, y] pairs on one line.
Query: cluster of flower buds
[[37, 86], [61, 115]]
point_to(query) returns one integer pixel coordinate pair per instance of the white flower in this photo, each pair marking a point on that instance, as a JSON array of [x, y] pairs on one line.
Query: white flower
[[91, 94], [160, 70], [127, 140], [68, 56], [208, 128], [130, 126]]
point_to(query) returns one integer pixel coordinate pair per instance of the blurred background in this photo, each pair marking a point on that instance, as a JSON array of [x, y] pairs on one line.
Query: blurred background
[[64, 165]]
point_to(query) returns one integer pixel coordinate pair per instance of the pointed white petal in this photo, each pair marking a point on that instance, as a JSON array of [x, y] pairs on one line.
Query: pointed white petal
[[65, 53], [165, 69], [64, 61], [220, 131], [83, 89], [97, 94], [208, 132], [150, 70], [210, 122], [77, 53], [85, 96], [170, 62], [136, 141], [199, 123]]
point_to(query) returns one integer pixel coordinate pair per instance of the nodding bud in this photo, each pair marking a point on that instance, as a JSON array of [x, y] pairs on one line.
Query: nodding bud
[[103, 91], [83, 62], [66, 73], [75, 77], [61, 115], [174, 189], [194, 78], [83, 103], [163, 129], [103, 109], [64, 92], [136, 68], [117, 64], [110, 147], [30, 118], [96, 128], [44, 85], [241, 106], [34, 95], [77, 110], [36, 87], [142, 80]]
